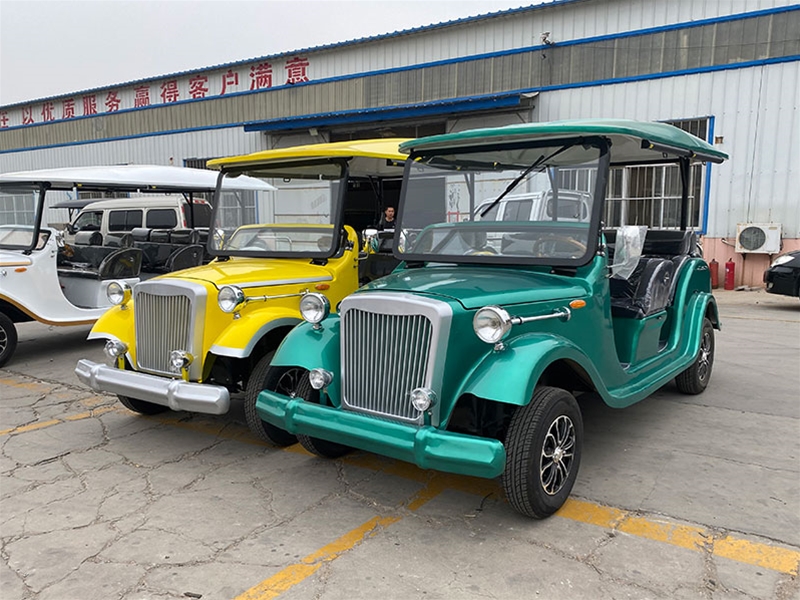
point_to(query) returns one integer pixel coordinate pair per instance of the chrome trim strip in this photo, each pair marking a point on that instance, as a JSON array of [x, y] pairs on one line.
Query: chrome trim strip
[[173, 393], [275, 282]]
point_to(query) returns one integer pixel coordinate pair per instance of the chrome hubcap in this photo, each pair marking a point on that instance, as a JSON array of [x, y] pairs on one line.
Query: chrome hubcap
[[704, 359], [558, 453]]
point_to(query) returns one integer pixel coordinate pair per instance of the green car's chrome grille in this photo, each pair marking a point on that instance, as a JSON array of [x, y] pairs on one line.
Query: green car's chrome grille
[[386, 358]]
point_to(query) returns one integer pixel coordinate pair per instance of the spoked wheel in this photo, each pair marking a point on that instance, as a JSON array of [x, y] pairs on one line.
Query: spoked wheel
[[543, 452], [317, 446], [8, 338], [262, 378], [696, 377]]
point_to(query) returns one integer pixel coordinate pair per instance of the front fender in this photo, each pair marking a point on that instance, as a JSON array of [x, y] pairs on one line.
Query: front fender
[[510, 375], [311, 348], [116, 323], [239, 338]]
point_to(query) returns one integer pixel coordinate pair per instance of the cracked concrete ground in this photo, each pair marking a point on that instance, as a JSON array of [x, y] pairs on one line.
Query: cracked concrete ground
[[678, 496]]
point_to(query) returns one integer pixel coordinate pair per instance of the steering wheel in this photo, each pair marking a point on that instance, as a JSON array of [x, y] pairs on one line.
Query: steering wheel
[[485, 251], [553, 238]]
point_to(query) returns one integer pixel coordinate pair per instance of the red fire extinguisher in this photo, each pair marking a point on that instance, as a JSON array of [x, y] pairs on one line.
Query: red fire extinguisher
[[713, 267], [730, 267]]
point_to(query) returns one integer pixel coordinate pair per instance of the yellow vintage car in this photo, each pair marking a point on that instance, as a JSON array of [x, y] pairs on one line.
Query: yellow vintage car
[[189, 340]]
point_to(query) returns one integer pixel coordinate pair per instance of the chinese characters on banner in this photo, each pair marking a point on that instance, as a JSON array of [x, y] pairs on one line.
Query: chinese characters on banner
[[259, 76]]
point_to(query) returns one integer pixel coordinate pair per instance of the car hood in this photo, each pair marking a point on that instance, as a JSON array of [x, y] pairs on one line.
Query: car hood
[[255, 272], [474, 287]]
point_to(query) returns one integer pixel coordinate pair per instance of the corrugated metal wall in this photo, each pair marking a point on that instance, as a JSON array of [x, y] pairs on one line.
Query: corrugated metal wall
[[756, 114], [755, 109]]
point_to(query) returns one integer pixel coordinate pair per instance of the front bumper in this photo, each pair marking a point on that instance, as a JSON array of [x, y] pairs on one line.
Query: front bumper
[[173, 393], [426, 447]]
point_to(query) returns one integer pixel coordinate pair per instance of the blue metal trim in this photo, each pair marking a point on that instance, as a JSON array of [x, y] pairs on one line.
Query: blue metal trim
[[388, 113], [522, 50], [305, 119], [707, 190]]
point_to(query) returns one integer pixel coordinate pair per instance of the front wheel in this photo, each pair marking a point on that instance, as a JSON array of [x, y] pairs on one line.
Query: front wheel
[[695, 378], [317, 446], [141, 406], [8, 338], [543, 452], [262, 378]]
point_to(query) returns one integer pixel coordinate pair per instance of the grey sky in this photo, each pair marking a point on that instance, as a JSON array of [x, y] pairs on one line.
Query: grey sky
[[50, 48]]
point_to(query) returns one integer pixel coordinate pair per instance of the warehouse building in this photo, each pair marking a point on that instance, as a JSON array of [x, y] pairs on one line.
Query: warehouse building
[[728, 71]]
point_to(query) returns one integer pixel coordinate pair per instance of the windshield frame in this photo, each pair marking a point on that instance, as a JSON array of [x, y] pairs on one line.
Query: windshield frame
[[42, 188], [594, 225], [337, 209]]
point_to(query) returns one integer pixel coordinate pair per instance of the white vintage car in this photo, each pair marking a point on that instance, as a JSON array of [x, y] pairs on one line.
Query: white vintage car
[[43, 279]]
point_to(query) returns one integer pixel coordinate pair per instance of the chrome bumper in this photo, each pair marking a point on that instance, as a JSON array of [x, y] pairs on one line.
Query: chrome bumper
[[173, 393]]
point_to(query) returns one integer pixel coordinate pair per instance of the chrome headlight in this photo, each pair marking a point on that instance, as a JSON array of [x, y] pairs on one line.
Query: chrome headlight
[[491, 324], [422, 398], [118, 293], [230, 298], [179, 360], [314, 307], [114, 348], [319, 378]]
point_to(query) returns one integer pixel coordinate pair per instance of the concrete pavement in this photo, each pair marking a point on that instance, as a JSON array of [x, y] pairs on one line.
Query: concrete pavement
[[677, 497]]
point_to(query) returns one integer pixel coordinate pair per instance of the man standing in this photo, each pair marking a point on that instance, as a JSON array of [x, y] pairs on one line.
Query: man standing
[[387, 220]]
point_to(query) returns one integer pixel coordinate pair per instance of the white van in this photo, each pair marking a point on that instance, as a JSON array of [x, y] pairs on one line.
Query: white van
[[536, 206], [120, 216]]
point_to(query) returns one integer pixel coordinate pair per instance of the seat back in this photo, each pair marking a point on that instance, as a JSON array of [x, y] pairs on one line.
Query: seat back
[[646, 292], [184, 258], [121, 264], [88, 238]]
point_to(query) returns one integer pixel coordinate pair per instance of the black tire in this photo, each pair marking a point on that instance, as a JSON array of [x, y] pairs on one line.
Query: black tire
[[543, 452], [260, 379], [694, 380], [317, 446], [8, 338], [142, 406]]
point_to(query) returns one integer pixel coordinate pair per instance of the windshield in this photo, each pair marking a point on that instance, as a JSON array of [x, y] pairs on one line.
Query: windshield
[[19, 215], [528, 205], [296, 220]]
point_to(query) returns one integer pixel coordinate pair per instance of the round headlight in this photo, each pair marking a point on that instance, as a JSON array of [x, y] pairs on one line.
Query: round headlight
[[422, 399], [230, 298], [491, 324], [115, 348], [314, 307], [118, 292], [319, 378], [179, 360]]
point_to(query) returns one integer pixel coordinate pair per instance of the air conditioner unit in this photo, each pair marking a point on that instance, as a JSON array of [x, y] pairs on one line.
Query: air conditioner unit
[[758, 238]]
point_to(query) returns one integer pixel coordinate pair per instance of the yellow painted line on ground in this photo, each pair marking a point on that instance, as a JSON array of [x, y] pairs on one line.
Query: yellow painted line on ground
[[782, 560], [49, 423], [308, 565], [34, 387]]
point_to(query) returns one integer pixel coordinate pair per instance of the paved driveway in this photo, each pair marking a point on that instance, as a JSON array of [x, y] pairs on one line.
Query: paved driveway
[[677, 497]]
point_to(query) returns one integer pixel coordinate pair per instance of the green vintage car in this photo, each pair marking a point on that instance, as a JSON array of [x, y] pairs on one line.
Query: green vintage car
[[469, 356]]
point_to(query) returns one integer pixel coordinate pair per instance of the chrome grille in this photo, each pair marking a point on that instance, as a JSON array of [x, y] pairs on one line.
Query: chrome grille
[[391, 343], [386, 357], [163, 324]]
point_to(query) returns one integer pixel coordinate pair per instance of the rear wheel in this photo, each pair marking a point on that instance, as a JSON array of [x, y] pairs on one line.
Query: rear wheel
[[8, 338], [695, 379], [263, 378], [317, 446], [543, 447]]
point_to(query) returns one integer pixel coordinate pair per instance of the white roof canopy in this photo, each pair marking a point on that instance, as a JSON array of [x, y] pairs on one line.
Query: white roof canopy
[[144, 178]]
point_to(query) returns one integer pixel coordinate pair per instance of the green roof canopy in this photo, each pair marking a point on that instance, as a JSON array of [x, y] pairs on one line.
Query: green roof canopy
[[632, 142]]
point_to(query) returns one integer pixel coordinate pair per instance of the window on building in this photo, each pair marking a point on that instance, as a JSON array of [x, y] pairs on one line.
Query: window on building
[[651, 195]]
